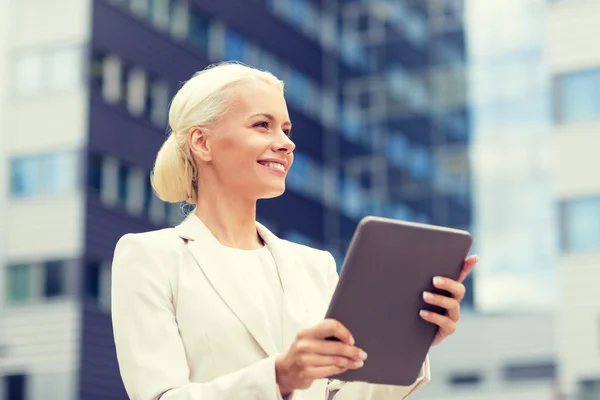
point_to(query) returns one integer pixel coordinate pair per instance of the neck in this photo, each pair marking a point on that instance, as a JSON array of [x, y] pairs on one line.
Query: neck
[[230, 218]]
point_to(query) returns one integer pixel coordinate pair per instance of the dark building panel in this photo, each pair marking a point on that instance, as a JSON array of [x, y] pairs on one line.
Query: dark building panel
[[99, 374], [251, 19], [117, 31]]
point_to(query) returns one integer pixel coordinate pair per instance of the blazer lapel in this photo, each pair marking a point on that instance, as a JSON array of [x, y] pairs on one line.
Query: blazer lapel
[[215, 262], [294, 315]]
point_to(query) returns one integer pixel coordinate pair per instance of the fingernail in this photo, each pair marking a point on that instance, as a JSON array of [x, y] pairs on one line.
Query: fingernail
[[362, 355], [427, 296], [424, 313], [352, 342], [438, 280], [358, 364]]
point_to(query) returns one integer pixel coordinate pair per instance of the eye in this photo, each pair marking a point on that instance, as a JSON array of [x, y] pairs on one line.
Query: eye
[[262, 124], [288, 132]]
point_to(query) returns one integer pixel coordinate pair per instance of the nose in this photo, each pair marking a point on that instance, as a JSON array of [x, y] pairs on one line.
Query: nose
[[283, 143]]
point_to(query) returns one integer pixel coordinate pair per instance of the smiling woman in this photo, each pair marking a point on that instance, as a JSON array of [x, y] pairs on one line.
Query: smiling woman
[[219, 307]]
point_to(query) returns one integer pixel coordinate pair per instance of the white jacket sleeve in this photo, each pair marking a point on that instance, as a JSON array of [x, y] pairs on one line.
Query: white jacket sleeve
[[150, 352], [338, 390]]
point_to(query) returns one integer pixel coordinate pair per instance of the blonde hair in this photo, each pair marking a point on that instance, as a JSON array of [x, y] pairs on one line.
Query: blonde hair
[[201, 102]]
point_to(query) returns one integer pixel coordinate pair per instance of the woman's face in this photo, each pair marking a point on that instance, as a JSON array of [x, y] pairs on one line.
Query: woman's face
[[250, 151]]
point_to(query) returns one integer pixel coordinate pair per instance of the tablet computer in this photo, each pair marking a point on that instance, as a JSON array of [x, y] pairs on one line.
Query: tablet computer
[[380, 293]]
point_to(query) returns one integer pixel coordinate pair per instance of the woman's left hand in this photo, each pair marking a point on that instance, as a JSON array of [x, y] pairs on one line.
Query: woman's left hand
[[447, 323]]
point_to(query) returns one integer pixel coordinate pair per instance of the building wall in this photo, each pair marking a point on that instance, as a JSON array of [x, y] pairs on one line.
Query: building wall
[[42, 133], [572, 54], [512, 183], [42, 342], [476, 362]]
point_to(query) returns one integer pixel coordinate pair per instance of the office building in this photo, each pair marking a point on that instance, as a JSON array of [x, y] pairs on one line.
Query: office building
[[496, 357], [89, 84], [574, 60], [514, 215]]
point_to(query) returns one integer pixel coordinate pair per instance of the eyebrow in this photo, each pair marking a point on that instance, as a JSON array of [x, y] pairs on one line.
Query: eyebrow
[[270, 118]]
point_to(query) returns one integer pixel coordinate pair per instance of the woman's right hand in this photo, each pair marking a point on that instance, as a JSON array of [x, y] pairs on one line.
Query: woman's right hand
[[312, 356]]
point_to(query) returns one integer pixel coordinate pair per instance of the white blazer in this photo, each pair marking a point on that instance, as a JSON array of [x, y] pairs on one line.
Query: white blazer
[[185, 329]]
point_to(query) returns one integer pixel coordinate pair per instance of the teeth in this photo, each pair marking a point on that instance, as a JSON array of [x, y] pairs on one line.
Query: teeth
[[274, 165]]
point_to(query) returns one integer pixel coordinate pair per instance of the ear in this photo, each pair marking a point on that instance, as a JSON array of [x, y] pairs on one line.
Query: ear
[[199, 144]]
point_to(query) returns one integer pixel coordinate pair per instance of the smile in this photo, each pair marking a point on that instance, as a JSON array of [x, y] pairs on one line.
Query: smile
[[274, 166]]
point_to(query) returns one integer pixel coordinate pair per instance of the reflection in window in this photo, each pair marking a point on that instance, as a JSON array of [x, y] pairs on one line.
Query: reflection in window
[[18, 283], [581, 224], [578, 96]]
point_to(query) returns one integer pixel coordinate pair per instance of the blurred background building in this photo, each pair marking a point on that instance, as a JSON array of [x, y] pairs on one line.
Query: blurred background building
[[376, 91], [574, 60], [394, 103], [514, 213]]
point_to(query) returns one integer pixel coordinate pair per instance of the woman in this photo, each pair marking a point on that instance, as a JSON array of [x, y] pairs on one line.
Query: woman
[[218, 307]]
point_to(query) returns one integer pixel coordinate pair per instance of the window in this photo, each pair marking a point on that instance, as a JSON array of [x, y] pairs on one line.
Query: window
[[44, 174], [136, 90], [589, 389], [398, 149], [95, 179], [48, 70], [18, 283], [123, 184], [65, 68], [469, 379], [97, 283], [235, 47], [421, 166], [15, 387], [297, 87], [578, 96], [581, 224], [112, 72], [530, 372], [351, 197], [134, 201], [180, 19], [157, 102], [29, 74], [159, 12], [198, 30], [54, 278]]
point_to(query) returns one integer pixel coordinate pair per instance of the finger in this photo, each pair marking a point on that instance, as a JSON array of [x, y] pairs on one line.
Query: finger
[[447, 326], [450, 304], [326, 347], [331, 327], [468, 266], [317, 360], [456, 289], [323, 372]]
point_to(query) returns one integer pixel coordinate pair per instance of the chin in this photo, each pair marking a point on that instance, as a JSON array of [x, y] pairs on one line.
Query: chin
[[271, 193]]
